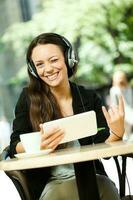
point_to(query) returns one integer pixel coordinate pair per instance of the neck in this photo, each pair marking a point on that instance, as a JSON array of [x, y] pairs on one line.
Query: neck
[[62, 92]]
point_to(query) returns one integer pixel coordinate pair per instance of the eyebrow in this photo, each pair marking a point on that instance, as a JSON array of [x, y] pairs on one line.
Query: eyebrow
[[38, 61]]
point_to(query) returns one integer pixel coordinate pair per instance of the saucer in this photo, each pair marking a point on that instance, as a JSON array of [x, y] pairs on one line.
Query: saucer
[[35, 154]]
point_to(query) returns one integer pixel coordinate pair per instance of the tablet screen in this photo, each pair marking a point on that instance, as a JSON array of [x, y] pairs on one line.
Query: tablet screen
[[76, 126]]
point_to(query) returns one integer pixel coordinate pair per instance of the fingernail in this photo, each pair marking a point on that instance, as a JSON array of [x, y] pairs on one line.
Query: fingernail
[[40, 125]]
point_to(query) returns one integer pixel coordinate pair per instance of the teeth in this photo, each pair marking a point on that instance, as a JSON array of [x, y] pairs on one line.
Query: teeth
[[52, 77]]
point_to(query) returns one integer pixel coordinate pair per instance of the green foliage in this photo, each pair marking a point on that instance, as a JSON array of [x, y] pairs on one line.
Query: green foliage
[[21, 77], [101, 30]]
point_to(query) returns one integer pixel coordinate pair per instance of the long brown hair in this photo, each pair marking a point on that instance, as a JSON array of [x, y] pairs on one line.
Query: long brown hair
[[43, 105]]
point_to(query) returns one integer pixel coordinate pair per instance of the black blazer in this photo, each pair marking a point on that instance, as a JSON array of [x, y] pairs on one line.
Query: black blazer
[[83, 99]]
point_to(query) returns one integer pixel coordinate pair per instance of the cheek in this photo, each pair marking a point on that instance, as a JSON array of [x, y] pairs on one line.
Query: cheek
[[59, 65], [64, 70], [40, 73], [62, 66]]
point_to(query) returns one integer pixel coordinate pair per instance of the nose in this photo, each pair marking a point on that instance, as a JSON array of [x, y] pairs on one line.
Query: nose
[[48, 68]]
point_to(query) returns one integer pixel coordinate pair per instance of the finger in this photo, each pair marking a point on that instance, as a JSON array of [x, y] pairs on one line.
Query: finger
[[55, 146], [41, 129], [106, 114], [56, 135], [46, 142], [52, 144], [111, 113], [114, 110], [51, 130], [55, 143], [121, 105]]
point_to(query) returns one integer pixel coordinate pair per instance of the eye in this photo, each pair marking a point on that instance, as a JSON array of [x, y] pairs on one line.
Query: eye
[[54, 60], [40, 65]]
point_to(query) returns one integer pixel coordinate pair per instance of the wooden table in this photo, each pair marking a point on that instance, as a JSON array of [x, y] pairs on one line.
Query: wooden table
[[71, 155], [79, 155]]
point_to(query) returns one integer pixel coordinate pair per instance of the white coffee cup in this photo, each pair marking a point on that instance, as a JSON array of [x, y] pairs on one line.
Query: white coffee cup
[[31, 142]]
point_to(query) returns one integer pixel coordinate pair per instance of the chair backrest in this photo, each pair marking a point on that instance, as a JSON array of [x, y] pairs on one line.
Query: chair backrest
[[20, 182], [19, 179]]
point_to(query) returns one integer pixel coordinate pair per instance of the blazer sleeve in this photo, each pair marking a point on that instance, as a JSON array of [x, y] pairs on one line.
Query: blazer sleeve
[[102, 135], [21, 122]]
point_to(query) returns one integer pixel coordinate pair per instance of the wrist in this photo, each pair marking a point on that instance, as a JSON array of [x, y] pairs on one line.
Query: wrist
[[113, 137]]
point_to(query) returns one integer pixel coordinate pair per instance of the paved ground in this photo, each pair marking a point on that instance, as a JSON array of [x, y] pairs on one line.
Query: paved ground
[[7, 189], [112, 172]]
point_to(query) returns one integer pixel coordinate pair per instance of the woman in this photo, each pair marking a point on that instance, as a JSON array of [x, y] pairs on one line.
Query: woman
[[50, 95]]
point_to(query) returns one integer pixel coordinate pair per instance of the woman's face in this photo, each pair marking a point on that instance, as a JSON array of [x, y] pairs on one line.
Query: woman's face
[[50, 64]]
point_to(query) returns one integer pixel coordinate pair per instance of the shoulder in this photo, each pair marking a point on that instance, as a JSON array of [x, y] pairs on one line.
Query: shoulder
[[23, 100], [88, 95], [24, 94], [83, 89]]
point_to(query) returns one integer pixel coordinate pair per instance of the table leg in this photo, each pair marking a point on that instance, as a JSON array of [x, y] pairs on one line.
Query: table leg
[[86, 180], [123, 178]]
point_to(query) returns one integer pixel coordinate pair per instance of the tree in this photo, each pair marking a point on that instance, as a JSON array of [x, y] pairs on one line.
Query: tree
[[101, 29]]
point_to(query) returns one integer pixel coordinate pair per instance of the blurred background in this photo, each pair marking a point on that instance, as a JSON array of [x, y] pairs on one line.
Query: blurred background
[[100, 30]]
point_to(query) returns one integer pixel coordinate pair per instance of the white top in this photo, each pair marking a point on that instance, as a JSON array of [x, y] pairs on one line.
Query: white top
[[64, 171]]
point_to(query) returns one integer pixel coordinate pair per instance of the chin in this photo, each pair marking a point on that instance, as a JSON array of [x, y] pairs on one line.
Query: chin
[[54, 83]]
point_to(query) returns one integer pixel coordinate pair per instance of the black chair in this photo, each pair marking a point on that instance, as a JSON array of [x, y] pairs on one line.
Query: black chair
[[18, 178], [122, 175]]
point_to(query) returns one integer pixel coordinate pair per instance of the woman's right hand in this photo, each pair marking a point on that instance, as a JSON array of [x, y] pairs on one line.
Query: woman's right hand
[[115, 117], [51, 137]]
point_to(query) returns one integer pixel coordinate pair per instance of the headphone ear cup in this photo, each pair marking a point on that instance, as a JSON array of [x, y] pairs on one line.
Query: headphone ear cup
[[32, 69], [71, 63], [71, 58]]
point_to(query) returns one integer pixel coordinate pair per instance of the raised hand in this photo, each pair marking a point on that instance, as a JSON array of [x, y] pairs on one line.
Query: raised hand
[[115, 119]]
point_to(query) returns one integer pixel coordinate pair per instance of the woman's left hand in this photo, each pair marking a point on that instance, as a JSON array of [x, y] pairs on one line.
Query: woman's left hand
[[115, 120]]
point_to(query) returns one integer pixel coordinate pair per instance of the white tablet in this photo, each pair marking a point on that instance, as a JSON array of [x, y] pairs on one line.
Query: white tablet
[[76, 126]]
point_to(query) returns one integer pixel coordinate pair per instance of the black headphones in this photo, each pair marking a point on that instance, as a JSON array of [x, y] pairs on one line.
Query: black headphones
[[70, 57]]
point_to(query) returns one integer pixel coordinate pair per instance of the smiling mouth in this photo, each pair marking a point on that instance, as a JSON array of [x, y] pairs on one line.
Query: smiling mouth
[[53, 76]]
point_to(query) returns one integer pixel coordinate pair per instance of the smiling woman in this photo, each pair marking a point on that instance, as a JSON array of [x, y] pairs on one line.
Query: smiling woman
[[50, 95]]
